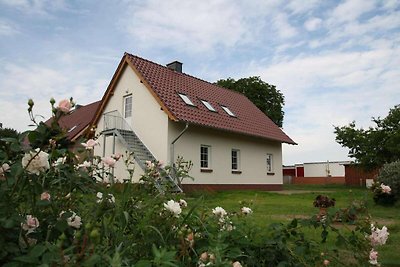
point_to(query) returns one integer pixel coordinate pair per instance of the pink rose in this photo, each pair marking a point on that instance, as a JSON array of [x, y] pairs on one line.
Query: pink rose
[[45, 196], [31, 224], [65, 105], [90, 144], [110, 162], [236, 264], [373, 257], [326, 262], [116, 156]]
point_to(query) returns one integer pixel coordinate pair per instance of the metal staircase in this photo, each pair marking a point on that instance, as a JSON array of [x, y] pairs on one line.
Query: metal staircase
[[115, 124]]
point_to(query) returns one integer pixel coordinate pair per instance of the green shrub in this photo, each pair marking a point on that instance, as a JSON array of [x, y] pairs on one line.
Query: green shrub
[[55, 211], [390, 175]]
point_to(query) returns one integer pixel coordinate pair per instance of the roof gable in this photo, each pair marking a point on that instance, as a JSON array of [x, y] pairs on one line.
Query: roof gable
[[166, 84]]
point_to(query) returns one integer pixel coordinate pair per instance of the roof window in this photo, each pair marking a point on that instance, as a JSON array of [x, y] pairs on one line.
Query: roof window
[[228, 111], [208, 105], [186, 99], [72, 128]]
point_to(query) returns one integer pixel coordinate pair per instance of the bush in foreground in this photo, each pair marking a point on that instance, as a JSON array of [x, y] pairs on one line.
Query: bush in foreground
[[56, 210]]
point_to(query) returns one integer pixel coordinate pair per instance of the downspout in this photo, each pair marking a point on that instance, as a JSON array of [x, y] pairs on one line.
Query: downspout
[[172, 150]]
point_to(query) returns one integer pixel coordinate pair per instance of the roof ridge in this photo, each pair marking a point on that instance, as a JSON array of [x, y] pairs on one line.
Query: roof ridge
[[186, 74]]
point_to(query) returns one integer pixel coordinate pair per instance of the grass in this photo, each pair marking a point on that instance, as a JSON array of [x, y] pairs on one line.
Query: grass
[[296, 202]]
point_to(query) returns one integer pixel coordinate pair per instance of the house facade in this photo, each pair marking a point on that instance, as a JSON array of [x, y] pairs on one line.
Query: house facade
[[159, 113]]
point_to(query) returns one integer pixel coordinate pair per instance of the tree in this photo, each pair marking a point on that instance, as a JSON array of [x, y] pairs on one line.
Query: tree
[[265, 96], [374, 146]]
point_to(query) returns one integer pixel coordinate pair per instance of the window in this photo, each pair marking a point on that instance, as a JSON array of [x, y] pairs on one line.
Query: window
[[208, 105], [72, 128], [128, 106], [186, 99], [269, 163], [227, 110], [205, 154], [235, 156]]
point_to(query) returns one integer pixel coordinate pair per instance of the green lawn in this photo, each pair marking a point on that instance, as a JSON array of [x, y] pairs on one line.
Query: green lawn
[[269, 207]]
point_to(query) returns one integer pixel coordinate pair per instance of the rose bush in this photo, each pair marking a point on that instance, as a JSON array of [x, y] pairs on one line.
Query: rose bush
[[62, 213]]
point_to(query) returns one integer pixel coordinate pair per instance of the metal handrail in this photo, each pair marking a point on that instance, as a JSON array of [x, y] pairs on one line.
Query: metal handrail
[[114, 120]]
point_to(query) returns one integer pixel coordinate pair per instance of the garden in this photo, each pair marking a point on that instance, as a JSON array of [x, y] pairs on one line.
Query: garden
[[59, 207]]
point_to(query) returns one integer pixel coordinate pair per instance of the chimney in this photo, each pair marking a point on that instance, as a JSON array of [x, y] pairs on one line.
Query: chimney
[[175, 66]]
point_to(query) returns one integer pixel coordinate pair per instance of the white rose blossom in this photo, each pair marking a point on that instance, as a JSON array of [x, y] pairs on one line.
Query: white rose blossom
[[30, 224], [218, 211], [90, 144], [5, 167], [246, 210], [373, 257], [45, 196], [36, 162], [378, 236], [236, 264], [109, 161], [173, 207], [74, 220], [110, 198], [183, 203], [386, 189]]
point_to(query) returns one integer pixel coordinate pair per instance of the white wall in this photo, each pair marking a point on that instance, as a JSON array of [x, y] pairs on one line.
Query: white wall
[[148, 121], [319, 169], [252, 156]]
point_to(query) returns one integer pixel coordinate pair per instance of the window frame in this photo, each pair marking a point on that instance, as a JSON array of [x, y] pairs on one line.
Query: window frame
[[126, 97], [237, 158], [228, 111], [186, 99], [207, 160], [208, 105], [270, 163]]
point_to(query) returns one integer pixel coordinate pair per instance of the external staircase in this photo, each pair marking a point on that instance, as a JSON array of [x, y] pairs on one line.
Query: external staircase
[[115, 125]]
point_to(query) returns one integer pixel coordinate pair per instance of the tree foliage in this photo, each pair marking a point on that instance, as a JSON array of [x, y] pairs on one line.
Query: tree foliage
[[376, 145], [265, 96]]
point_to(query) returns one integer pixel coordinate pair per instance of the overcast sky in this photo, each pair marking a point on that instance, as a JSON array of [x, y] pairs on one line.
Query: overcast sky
[[334, 61]]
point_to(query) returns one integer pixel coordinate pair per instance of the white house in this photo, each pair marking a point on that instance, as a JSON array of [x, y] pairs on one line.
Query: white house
[[160, 113]]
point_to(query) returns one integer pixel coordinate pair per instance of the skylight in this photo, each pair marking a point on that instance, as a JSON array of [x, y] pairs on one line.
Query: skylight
[[186, 99], [227, 110], [72, 128], [208, 105]]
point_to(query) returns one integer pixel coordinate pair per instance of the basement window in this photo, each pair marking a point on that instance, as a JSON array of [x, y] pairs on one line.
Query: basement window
[[228, 111], [208, 105], [186, 99]]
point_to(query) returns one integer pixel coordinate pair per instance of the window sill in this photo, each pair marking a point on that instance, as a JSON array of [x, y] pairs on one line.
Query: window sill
[[206, 170], [270, 173], [236, 172]]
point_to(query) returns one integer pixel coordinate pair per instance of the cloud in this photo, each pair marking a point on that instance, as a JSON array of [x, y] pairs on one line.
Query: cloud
[[283, 29], [189, 25], [333, 89], [312, 24], [7, 28], [351, 10], [35, 7]]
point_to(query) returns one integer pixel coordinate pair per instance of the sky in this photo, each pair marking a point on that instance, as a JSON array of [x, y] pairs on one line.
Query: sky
[[334, 61]]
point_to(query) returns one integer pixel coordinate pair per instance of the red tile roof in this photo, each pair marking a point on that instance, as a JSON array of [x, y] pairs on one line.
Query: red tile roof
[[165, 84], [79, 118]]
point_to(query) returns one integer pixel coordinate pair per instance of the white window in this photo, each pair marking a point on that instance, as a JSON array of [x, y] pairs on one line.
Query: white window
[[128, 106], [235, 157], [227, 110], [72, 128], [269, 163], [205, 156], [208, 105], [186, 99]]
